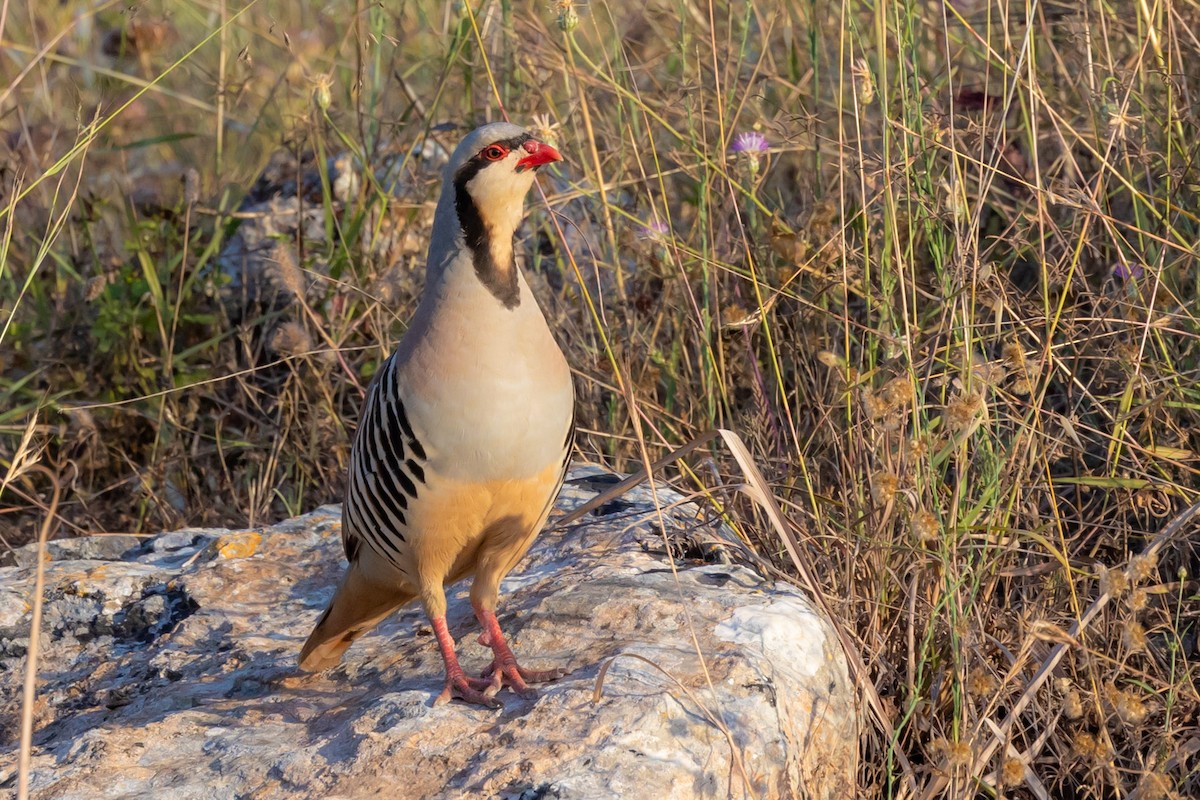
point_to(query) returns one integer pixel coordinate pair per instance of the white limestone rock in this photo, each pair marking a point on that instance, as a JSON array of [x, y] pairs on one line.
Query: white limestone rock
[[168, 670]]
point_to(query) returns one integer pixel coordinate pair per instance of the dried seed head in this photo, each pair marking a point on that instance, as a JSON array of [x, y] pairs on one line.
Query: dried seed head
[[1133, 637], [1014, 354], [1073, 704], [95, 287], [733, 314], [1138, 599], [1013, 771], [990, 372], [958, 756], [191, 186], [917, 447], [964, 411], [1154, 786], [1112, 582], [1141, 567], [883, 486], [1121, 124], [925, 527], [873, 405], [1131, 708], [1087, 746], [898, 393], [938, 747], [290, 339], [982, 684], [283, 272], [952, 755]]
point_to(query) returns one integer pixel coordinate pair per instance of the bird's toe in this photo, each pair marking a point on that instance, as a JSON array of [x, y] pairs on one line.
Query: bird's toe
[[476, 691], [517, 678]]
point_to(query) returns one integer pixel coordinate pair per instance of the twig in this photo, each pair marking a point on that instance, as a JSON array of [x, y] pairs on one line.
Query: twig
[[636, 478], [35, 625]]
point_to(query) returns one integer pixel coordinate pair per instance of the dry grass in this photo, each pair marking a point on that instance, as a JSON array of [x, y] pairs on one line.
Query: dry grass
[[952, 309]]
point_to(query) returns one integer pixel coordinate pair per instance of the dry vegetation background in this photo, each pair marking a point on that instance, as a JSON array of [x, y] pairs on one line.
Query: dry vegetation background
[[952, 308]]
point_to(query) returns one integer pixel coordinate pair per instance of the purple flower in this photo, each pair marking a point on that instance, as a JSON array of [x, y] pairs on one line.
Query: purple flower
[[655, 229], [1127, 271], [751, 142]]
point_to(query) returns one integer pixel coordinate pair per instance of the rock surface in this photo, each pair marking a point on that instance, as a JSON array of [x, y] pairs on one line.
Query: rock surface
[[168, 670]]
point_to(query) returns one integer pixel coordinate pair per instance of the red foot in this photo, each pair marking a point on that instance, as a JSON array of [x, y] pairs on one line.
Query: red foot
[[470, 690], [517, 678], [504, 669]]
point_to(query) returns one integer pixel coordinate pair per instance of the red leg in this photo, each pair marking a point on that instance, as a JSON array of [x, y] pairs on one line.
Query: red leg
[[471, 690], [504, 669]]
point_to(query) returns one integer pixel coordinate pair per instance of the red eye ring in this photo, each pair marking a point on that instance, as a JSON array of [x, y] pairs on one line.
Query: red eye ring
[[494, 152]]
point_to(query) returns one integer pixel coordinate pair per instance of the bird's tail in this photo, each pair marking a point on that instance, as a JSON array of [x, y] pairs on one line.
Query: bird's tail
[[356, 607]]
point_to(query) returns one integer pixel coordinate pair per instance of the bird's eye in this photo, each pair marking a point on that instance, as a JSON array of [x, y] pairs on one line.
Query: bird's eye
[[494, 152]]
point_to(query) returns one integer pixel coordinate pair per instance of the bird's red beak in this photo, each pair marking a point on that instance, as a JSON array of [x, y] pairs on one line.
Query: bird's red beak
[[540, 154]]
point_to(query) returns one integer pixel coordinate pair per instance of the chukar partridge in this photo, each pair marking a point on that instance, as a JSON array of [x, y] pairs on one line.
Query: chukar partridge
[[464, 436]]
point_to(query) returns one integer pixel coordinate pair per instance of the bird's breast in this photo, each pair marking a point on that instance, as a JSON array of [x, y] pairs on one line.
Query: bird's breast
[[488, 390]]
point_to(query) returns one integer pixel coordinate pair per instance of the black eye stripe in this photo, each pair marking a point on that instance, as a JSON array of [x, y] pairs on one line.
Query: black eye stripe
[[507, 144], [478, 161]]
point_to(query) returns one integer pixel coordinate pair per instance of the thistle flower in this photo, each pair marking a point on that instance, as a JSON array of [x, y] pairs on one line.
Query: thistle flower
[[654, 230], [1127, 272], [751, 142]]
